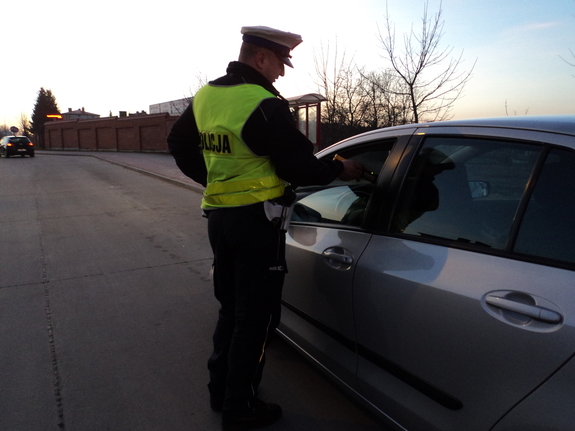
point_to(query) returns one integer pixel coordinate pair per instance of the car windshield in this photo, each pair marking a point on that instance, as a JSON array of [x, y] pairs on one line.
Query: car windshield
[[21, 140]]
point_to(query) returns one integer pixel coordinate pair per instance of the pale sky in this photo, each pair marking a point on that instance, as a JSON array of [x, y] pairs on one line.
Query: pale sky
[[125, 55]]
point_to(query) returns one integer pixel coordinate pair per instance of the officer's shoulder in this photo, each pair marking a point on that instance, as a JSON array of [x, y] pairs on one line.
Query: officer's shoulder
[[272, 105]]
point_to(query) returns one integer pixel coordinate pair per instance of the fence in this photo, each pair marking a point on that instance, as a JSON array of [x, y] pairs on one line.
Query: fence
[[135, 133]]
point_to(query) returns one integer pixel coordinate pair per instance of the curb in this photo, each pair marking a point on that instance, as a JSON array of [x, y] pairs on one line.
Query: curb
[[194, 187]]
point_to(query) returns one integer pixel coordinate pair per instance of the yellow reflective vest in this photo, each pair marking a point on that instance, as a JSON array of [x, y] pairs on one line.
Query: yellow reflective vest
[[236, 176]]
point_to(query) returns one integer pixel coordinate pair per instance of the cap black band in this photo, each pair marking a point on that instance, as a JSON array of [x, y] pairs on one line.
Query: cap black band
[[281, 50]]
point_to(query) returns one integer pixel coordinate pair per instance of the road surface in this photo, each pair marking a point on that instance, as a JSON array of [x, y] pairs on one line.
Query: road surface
[[107, 312]]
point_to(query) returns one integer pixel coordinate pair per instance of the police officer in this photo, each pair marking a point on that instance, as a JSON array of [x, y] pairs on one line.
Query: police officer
[[238, 138]]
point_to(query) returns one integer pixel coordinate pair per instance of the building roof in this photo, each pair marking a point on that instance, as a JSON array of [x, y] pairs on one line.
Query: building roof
[[79, 112]]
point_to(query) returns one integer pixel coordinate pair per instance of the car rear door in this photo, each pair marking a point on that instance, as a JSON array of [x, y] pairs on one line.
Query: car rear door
[[459, 312]]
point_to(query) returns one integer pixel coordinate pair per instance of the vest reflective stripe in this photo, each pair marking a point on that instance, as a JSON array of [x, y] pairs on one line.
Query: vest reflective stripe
[[240, 199], [242, 185], [236, 176]]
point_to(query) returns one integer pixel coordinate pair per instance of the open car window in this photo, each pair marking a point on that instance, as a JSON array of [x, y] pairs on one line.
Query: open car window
[[343, 202]]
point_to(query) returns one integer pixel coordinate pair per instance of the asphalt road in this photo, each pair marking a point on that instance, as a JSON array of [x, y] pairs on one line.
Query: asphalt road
[[106, 308]]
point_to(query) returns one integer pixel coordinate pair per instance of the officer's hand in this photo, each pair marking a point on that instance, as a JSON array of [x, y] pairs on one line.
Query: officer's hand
[[351, 171]]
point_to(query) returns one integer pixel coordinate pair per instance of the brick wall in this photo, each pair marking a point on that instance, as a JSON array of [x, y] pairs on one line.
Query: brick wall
[[135, 133]]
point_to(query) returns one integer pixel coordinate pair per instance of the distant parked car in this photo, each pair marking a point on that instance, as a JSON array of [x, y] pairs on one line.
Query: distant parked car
[[440, 289], [16, 146]]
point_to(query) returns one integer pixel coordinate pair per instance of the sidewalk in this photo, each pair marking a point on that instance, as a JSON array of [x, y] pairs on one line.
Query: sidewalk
[[161, 165]]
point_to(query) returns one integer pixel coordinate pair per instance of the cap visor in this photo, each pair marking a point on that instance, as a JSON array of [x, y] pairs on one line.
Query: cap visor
[[286, 61]]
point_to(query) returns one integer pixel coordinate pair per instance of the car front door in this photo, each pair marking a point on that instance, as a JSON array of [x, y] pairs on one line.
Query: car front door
[[324, 242]]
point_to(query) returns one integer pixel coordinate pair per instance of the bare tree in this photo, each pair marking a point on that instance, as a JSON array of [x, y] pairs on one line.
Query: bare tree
[[387, 104], [374, 90], [346, 110], [514, 112], [352, 98], [330, 81], [568, 62], [201, 80], [357, 100], [572, 55], [24, 125], [431, 77]]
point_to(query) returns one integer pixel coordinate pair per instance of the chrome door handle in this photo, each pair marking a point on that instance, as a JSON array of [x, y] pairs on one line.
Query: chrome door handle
[[343, 258], [536, 312]]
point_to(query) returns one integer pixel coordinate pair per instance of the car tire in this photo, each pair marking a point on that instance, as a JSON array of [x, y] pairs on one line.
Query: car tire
[[31, 154], [6, 154]]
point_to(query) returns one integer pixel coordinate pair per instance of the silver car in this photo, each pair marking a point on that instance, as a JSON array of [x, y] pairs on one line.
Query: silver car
[[440, 289]]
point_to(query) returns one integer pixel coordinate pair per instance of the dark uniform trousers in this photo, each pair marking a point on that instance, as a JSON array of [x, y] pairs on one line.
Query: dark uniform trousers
[[249, 269]]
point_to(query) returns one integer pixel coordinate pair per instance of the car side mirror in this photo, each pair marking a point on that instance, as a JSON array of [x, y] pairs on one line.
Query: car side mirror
[[479, 189]]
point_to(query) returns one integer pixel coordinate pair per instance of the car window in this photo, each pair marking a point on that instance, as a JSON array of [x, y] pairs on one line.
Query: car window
[[19, 140], [548, 227], [343, 202], [465, 190]]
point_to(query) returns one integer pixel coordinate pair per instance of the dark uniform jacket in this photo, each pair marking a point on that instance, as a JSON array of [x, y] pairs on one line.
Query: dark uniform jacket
[[270, 131]]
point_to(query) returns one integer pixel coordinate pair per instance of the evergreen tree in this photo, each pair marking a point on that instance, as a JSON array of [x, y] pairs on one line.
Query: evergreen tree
[[45, 105]]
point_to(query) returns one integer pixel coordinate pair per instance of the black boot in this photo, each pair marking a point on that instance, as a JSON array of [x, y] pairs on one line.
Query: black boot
[[262, 415]]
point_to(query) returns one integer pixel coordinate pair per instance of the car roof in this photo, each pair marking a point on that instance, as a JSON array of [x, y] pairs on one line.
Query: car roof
[[564, 124], [560, 124]]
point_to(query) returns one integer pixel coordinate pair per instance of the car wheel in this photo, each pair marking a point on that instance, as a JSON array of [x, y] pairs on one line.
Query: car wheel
[[6, 154], [31, 154]]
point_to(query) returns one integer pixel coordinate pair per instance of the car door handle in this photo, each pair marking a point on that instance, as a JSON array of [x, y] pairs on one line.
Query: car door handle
[[343, 258], [534, 311]]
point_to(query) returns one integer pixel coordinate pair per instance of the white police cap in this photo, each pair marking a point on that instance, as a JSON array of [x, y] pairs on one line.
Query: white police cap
[[280, 42]]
